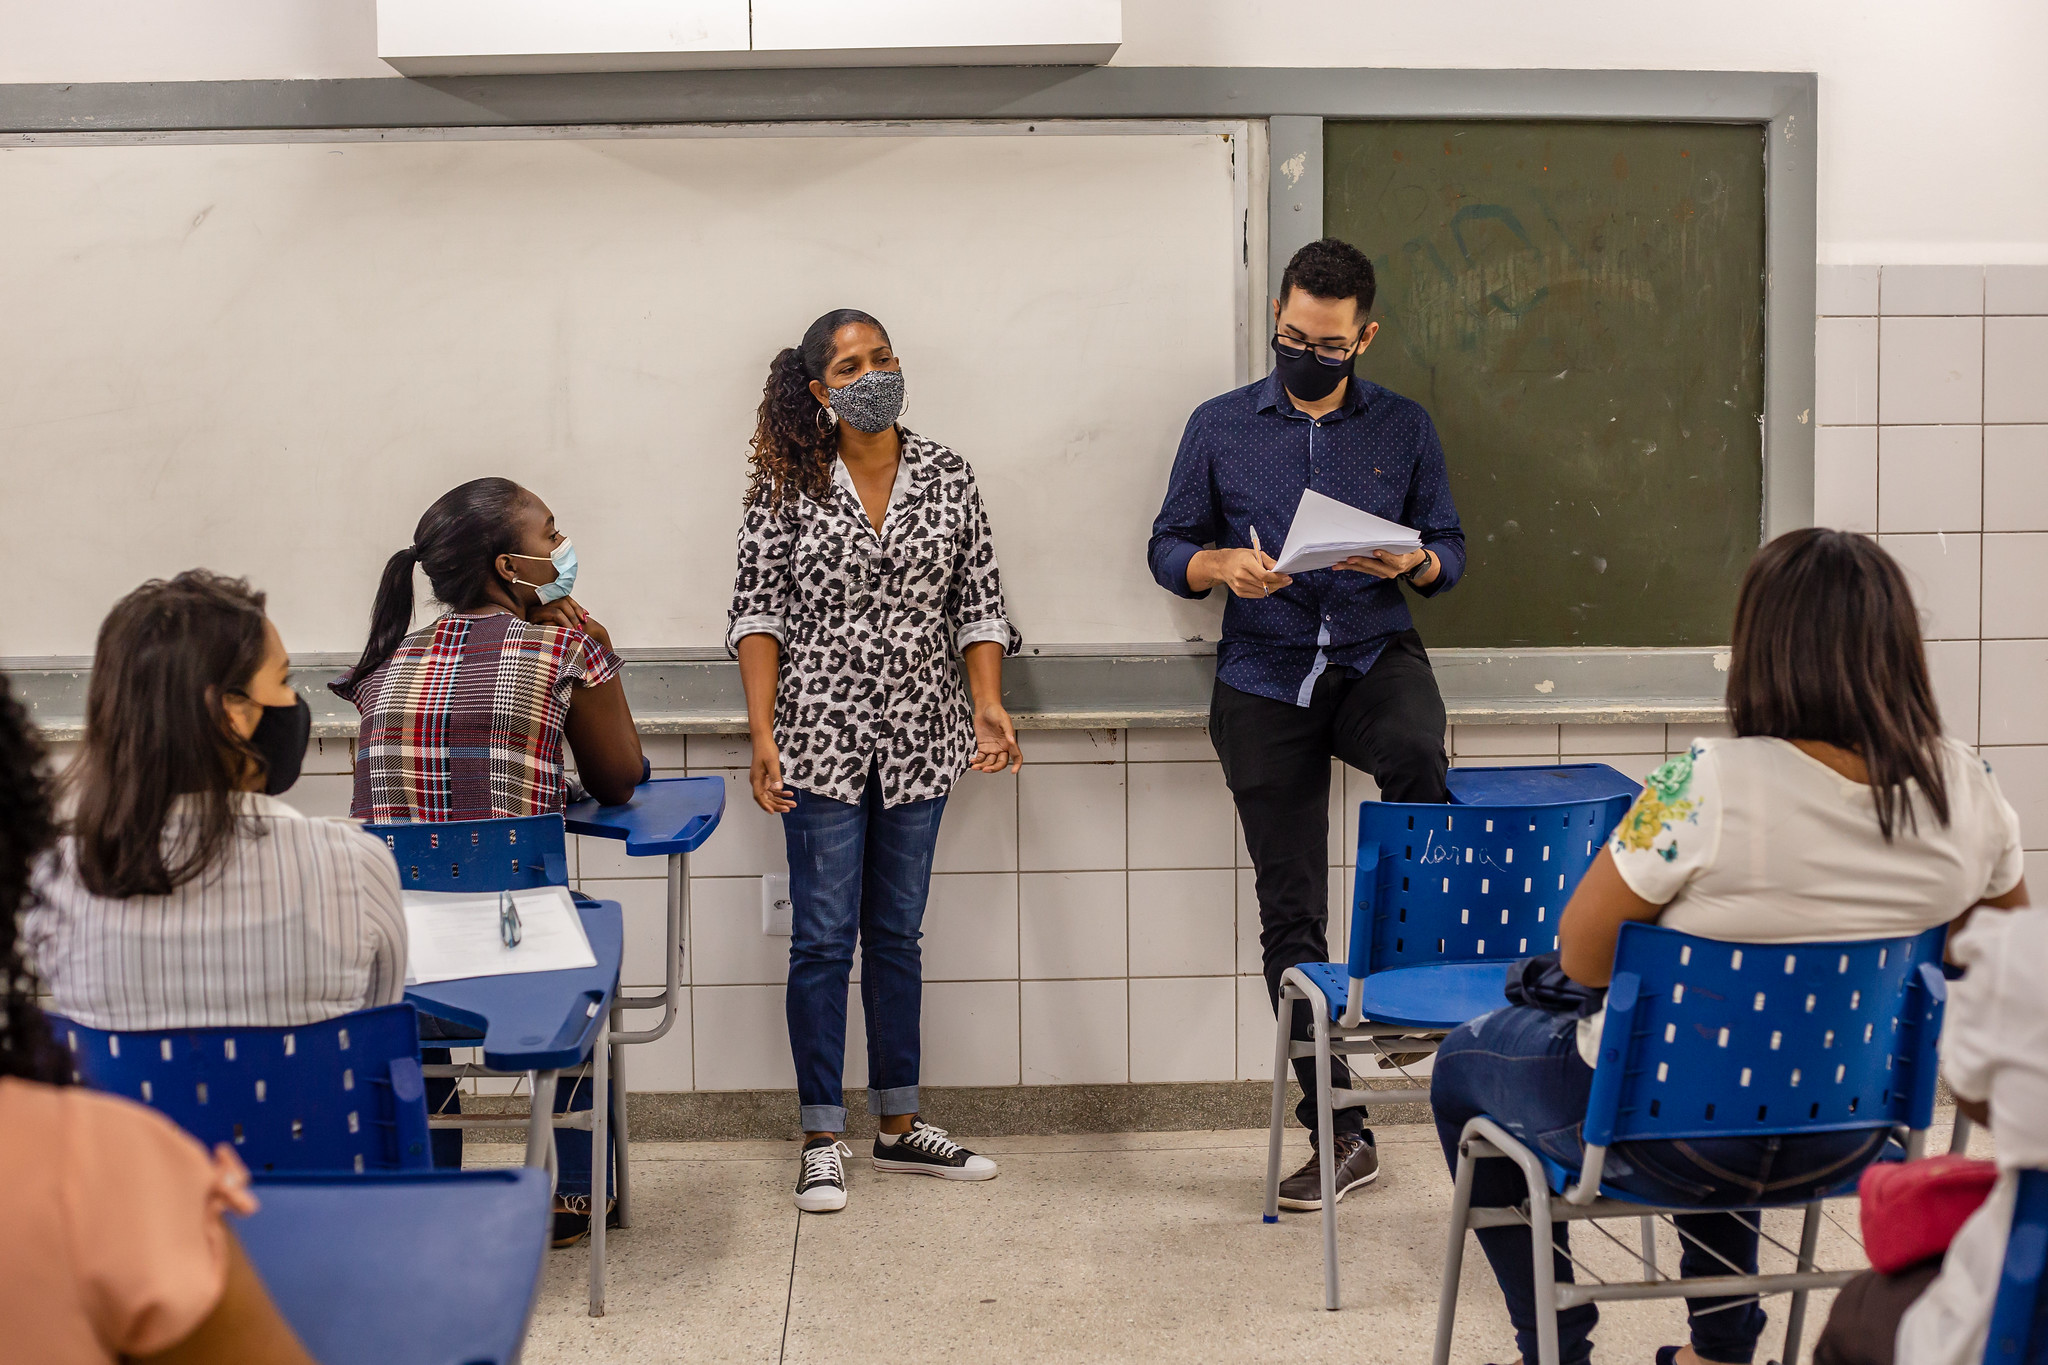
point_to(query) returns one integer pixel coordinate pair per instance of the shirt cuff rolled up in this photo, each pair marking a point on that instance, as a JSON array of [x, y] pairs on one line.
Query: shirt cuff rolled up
[[755, 625], [1173, 571], [995, 629]]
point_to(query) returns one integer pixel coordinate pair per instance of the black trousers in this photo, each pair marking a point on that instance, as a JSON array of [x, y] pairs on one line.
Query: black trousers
[[1388, 721]]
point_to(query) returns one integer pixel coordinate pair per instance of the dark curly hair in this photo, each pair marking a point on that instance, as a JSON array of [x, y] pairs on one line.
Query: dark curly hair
[[1331, 269], [28, 825], [793, 450]]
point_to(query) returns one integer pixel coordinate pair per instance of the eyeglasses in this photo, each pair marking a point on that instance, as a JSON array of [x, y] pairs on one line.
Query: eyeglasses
[[510, 930], [1287, 348]]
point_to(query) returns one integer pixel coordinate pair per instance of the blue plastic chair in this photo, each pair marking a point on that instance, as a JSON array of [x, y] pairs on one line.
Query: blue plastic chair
[[1704, 1039], [2019, 1315], [1445, 899], [543, 1024], [343, 1095], [427, 1268]]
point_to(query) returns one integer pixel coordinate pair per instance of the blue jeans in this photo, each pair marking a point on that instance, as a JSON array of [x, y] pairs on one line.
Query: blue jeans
[[1521, 1068], [857, 873]]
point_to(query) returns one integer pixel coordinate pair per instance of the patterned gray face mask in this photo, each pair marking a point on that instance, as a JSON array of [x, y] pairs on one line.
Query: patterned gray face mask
[[872, 402]]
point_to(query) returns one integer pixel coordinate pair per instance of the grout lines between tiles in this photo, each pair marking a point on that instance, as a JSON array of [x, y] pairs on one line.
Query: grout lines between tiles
[[789, 1298]]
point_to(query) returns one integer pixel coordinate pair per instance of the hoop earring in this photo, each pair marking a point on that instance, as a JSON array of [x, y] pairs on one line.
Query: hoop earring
[[826, 420]]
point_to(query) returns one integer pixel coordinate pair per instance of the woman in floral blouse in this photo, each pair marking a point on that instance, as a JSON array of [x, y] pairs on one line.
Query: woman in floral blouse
[[865, 567]]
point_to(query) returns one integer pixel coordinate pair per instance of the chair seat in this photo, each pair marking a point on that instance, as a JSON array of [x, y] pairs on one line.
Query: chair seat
[[1440, 997], [1562, 1177]]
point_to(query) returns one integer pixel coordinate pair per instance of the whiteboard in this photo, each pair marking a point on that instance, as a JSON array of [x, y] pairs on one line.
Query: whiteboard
[[268, 357]]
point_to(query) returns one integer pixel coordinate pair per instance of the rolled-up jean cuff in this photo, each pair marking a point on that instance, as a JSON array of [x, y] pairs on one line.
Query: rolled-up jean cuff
[[824, 1118], [901, 1100]]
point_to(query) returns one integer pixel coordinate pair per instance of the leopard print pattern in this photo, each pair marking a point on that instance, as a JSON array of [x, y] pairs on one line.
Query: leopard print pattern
[[868, 623]]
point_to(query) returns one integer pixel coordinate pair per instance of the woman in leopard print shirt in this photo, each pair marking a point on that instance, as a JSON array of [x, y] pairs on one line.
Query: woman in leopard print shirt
[[865, 567]]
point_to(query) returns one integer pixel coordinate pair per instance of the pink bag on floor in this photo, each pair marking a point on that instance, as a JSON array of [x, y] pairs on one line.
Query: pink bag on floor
[[1912, 1210]]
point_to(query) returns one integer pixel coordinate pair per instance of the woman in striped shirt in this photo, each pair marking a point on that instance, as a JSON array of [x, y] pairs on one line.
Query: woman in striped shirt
[[186, 895]]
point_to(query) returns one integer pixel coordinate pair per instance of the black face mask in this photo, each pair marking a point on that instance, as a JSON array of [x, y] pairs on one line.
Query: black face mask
[[1307, 377], [281, 737]]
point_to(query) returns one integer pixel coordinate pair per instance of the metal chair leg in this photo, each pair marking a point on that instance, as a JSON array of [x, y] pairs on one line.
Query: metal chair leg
[[1275, 1136], [600, 1165], [1959, 1140], [1649, 1230], [1324, 1143], [624, 1177], [1454, 1256], [1795, 1317], [540, 1123], [1541, 1232]]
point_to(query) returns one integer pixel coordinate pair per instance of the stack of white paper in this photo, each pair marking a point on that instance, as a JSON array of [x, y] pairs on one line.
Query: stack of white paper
[[1327, 532], [456, 934]]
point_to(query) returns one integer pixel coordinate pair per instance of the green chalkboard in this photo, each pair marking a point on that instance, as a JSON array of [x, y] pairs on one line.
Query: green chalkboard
[[1580, 308]]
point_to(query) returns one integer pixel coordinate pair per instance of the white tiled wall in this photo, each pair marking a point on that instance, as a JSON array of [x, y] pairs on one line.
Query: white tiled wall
[[1091, 919], [1933, 405]]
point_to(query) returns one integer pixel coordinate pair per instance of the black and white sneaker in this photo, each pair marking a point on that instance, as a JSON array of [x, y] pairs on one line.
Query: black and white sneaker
[[926, 1150], [821, 1176]]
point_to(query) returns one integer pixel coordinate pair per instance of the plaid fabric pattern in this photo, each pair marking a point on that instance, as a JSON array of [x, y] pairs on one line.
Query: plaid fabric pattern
[[464, 721]]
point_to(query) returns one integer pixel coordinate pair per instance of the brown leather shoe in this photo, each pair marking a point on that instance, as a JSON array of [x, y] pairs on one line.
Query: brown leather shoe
[[1358, 1163]]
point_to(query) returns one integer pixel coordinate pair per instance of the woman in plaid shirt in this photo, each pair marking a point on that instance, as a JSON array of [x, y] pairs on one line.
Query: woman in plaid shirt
[[464, 718]]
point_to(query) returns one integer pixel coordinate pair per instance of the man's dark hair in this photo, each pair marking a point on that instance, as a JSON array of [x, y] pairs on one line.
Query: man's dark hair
[[1330, 269]]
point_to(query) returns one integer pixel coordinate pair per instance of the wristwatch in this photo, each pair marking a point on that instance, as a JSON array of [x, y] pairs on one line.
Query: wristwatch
[[1409, 576]]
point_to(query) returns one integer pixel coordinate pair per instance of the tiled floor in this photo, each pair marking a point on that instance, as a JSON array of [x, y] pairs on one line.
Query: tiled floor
[[1123, 1247]]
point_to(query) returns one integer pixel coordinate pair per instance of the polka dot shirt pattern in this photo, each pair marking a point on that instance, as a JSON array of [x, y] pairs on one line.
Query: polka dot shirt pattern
[[1244, 460]]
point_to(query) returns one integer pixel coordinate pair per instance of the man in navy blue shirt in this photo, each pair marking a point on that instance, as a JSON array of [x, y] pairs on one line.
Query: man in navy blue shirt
[[1325, 663]]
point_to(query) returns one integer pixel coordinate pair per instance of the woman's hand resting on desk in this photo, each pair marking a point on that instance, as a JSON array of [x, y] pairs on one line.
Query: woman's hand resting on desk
[[995, 741], [766, 775]]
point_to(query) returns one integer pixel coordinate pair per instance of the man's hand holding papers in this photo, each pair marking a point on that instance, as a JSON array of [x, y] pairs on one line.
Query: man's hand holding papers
[[1329, 534]]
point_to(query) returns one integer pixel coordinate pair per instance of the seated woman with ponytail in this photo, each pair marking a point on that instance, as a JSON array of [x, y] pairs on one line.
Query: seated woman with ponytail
[[464, 718]]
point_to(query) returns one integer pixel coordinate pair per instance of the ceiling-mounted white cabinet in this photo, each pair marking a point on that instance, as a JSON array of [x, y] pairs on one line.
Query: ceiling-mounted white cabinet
[[458, 37], [455, 37], [936, 32]]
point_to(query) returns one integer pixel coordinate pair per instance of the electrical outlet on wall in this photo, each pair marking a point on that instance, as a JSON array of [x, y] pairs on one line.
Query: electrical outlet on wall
[[775, 907]]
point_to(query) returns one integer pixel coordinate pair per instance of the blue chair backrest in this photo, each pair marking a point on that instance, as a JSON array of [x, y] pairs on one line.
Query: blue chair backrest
[[342, 1095], [1705, 1038], [514, 854], [1442, 884], [2019, 1315]]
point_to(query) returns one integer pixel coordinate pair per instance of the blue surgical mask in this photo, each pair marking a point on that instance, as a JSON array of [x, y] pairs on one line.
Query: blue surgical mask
[[564, 560]]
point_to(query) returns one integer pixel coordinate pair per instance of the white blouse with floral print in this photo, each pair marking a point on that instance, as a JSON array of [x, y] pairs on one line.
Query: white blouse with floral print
[[872, 625]]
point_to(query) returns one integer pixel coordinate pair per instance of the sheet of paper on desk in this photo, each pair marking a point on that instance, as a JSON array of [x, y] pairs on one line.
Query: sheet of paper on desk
[[455, 934], [1327, 532]]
